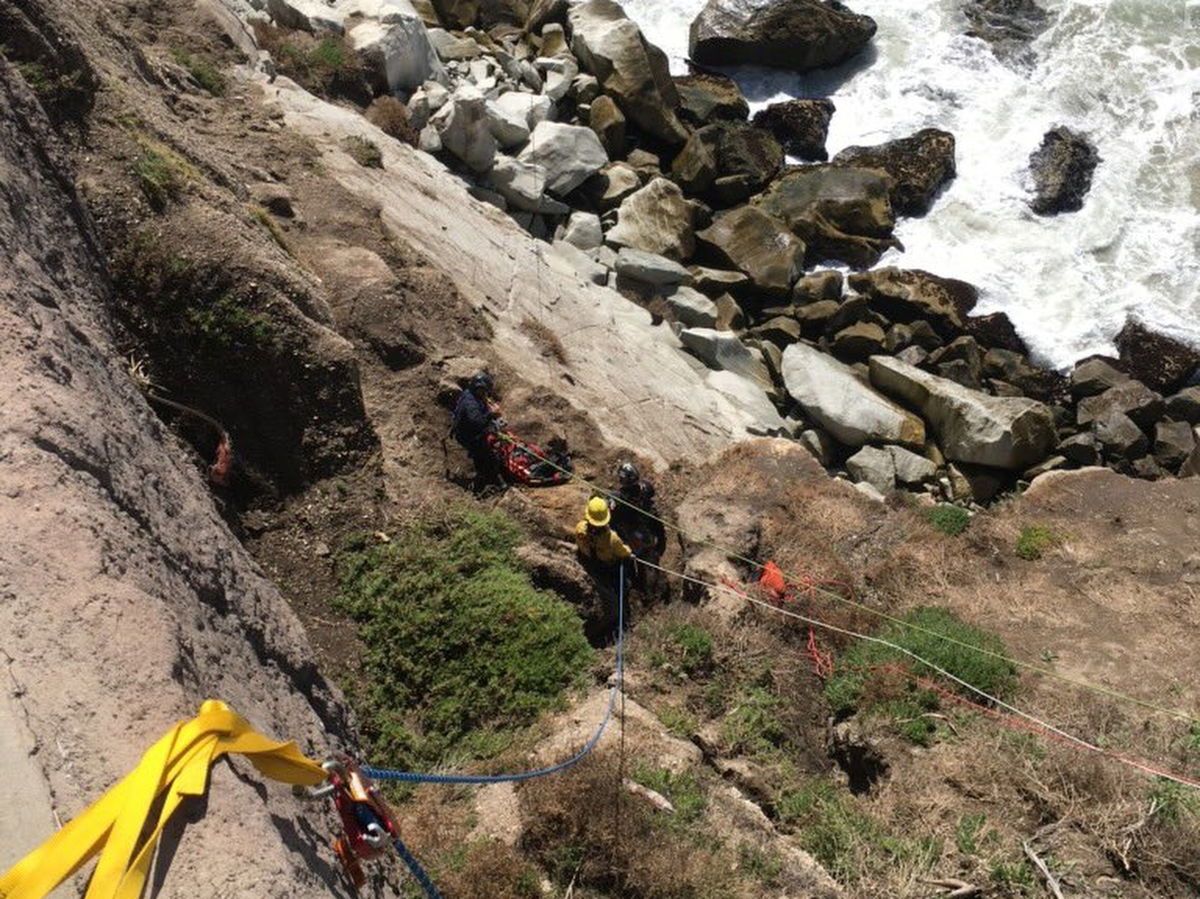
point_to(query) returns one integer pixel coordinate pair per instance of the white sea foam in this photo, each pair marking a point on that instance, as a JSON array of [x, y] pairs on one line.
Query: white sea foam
[[1122, 71]]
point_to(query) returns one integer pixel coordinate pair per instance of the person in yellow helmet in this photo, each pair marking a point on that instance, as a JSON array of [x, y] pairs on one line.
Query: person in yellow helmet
[[595, 540]]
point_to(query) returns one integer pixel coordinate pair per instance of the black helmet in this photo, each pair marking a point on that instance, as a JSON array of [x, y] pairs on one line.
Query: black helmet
[[628, 474], [481, 380]]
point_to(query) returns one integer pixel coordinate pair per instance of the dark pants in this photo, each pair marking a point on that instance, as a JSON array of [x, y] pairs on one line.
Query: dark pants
[[487, 466]]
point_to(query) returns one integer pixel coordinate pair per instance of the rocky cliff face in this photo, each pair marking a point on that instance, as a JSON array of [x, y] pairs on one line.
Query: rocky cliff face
[[124, 599]]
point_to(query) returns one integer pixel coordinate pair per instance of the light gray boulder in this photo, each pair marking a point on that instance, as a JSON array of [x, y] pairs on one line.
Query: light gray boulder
[[875, 466], [386, 11], [465, 128], [399, 52], [583, 229], [723, 351], [691, 308], [818, 443], [306, 15], [530, 108], [568, 259], [649, 268], [910, 468], [452, 48], [1012, 433], [841, 401], [569, 154], [510, 129], [523, 185], [763, 418], [657, 219]]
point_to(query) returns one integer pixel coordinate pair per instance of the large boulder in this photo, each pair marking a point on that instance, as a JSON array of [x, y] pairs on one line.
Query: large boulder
[[691, 308], [1185, 405], [723, 351], [1174, 443], [875, 466], [840, 213], [909, 295], [657, 219], [1012, 433], [649, 268], [1091, 377], [1156, 360], [532, 108], [523, 186], [1120, 436], [800, 126], [759, 245], [568, 153], [465, 128], [630, 69], [607, 120], [800, 35], [399, 53], [1062, 171], [840, 400], [919, 166], [705, 98], [727, 162]]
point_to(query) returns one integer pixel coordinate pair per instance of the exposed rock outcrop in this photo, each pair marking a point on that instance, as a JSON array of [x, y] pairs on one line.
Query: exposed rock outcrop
[[1062, 172], [1009, 26], [800, 35], [657, 219], [759, 245], [919, 167]]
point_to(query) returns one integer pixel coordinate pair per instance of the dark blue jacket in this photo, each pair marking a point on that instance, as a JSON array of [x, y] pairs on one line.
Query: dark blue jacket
[[472, 419]]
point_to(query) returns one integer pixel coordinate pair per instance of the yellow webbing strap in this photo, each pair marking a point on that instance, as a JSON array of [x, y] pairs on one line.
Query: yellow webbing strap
[[121, 825]]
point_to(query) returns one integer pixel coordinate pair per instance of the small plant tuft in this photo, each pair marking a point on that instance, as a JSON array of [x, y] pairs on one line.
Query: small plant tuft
[[949, 519], [684, 791], [695, 647], [366, 153], [1034, 540], [202, 70]]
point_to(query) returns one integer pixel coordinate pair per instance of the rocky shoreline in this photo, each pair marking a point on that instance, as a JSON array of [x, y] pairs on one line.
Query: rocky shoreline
[[565, 117]]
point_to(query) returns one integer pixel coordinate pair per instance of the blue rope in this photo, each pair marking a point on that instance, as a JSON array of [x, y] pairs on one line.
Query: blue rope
[[418, 872], [420, 777]]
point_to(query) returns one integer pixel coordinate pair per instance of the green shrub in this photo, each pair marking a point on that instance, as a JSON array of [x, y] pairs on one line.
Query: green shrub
[[753, 726], [461, 648], [967, 831], [1034, 540], [870, 675], [161, 173], [202, 70], [695, 646], [226, 323], [949, 519]]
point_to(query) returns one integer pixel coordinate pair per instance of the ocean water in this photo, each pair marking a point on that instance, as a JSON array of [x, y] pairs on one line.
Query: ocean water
[[1125, 72]]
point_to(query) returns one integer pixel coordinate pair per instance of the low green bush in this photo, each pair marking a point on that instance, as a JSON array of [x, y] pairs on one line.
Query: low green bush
[[202, 70], [1034, 540], [683, 790], [695, 647], [949, 519], [366, 153], [870, 675], [461, 649]]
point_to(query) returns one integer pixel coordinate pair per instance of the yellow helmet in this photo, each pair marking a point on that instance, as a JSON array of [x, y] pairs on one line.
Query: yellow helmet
[[597, 512]]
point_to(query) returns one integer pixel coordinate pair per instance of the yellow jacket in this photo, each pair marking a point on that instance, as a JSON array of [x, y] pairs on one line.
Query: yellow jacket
[[603, 546]]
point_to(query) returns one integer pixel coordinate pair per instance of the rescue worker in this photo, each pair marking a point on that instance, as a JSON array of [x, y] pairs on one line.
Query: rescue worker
[[601, 551], [473, 419], [634, 516]]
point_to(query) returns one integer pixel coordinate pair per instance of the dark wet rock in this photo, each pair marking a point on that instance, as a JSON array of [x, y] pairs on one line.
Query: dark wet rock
[[1160, 362], [840, 213], [1062, 172], [996, 330], [705, 98], [727, 162], [800, 35], [909, 295], [919, 167], [961, 361], [1120, 436], [826, 285], [607, 120], [858, 341], [1080, 448], [1174, 442], [781, 330], [801, 126], [1009, 26], [814, 316], [1014, 368], [1133, 398], [1185, 405], [851, 312], [1091, 377]]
